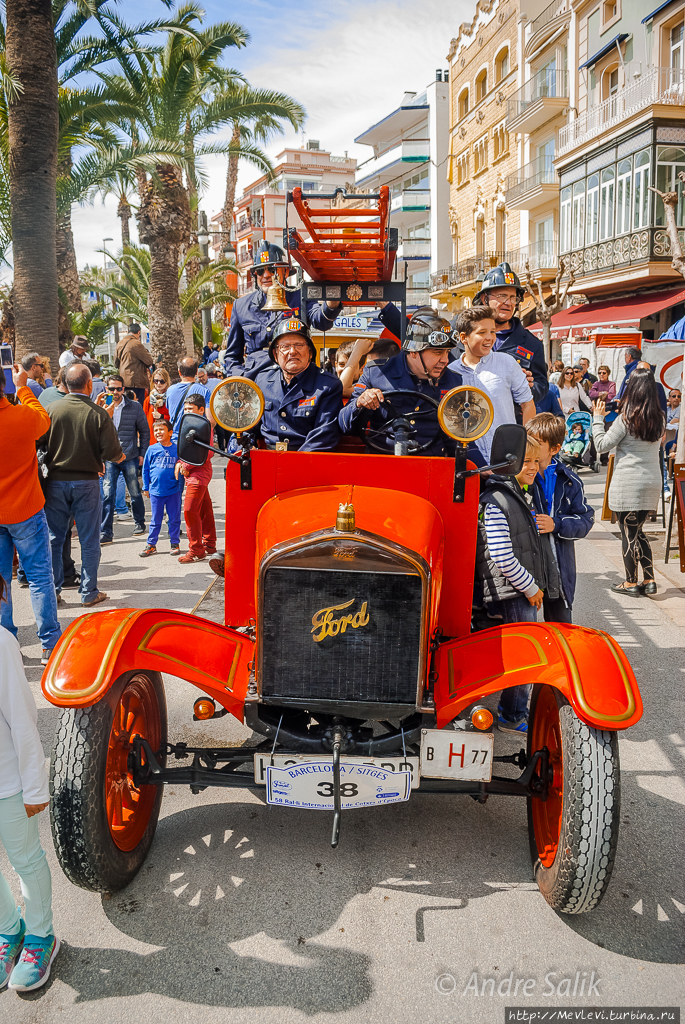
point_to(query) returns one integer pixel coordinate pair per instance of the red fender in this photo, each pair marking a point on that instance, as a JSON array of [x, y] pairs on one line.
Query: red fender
[[99, 647], [587, 665]]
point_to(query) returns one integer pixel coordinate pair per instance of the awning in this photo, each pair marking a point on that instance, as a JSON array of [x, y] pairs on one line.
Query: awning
[[660, 8], [621, 37], [621, 313]]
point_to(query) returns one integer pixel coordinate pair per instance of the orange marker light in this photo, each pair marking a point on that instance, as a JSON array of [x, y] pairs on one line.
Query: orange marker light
[[481, 718], [205, 708]]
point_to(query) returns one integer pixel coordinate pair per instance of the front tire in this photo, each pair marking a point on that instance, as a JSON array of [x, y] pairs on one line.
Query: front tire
[[574, 833], [102, 824]]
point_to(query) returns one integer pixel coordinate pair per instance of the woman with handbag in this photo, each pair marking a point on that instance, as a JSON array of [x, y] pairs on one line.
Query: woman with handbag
[[636, 482], [572, 395]]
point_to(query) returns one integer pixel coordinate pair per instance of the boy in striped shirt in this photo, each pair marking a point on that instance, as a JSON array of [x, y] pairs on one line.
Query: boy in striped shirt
[[513, 566]]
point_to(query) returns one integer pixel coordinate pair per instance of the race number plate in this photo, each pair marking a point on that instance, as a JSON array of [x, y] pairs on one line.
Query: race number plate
[[446, 754], [391, 763], [309, 785]]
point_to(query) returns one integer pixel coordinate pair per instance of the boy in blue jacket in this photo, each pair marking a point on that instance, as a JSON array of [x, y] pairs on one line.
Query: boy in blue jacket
[[163, 489], [561, 510]]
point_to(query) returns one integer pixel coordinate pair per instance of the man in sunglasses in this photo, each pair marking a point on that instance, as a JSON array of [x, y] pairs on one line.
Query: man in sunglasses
[[502, 291], [252, 328], [134, 437]]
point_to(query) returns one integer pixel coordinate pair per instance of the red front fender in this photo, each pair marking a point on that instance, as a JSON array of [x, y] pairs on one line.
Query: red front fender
[[99, 647], [587, 665]]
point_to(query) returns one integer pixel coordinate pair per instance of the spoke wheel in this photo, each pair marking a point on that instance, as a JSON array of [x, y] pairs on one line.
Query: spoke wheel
[[102, 824], [574, 833], [129, 808]]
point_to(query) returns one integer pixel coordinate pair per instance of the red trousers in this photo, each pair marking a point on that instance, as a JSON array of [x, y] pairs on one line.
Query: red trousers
[[199, 517]]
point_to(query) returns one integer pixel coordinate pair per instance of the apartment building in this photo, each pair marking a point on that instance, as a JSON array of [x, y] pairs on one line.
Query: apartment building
[[601, 109], [410, 149], [260, 211]]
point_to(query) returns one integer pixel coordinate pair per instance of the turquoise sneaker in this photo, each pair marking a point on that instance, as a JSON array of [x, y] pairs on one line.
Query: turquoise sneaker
[[515, 728], [33, 967], [10, 948]]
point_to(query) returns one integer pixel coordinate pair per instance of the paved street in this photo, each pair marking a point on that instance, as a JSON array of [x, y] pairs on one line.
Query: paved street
[[243, 913]]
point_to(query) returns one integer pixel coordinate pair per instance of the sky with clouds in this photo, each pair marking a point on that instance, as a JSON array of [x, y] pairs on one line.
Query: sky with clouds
[[348, 62]]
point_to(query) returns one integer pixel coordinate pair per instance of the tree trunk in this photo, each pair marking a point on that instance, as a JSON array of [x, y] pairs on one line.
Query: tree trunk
[[33, 134], [163, 225], [231, 182], [7, 321], [124, 215], [67, 269]]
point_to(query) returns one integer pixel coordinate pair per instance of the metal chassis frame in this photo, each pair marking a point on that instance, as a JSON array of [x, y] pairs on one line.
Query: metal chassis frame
[[204, 772]]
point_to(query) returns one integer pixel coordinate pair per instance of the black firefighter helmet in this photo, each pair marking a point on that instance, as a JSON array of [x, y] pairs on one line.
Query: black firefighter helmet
[[271, 256], [427, 329], [501, 276], [290, 325]]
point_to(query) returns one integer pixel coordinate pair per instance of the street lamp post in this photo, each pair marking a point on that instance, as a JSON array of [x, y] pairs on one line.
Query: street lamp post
[[203, 245], [116, 326]]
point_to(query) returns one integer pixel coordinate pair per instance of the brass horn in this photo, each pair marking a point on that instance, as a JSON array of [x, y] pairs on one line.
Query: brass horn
[[275, 298]]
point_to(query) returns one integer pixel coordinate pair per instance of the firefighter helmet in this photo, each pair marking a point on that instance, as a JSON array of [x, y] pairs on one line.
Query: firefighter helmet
[[269, 255], [426, 330], [290, 325], [501, 276]]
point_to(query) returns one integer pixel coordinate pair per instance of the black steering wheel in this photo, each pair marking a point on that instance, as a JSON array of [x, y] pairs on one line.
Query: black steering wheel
[[399, 426]]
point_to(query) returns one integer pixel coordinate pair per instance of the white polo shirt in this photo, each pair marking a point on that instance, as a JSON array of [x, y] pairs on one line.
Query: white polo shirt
[[503, 380]]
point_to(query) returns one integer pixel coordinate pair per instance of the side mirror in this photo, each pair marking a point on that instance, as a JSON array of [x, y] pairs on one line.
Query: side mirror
[[194, 428], [508, 449]]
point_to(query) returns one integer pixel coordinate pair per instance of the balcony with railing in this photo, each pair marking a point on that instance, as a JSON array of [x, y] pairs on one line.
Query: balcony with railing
[[533, 184], [645, 87], [411, 201], [387, 165], [414, 249], [541, 257], [465, 272], [550, 13], [541, 98]]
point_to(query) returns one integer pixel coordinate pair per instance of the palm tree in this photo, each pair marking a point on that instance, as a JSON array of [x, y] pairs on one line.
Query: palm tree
[[33, 131], [182, 95], [130, 289]]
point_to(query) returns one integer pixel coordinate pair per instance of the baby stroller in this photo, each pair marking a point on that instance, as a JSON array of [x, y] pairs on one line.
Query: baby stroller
[[576, 450]]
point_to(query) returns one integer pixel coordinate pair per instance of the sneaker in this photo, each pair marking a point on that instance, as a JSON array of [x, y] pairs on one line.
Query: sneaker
[[10, 948], [217, 564], [23, 582], [138, 529], [98, 599], [124, 517], [210, 551], [73, 583], [175, 549], [106, 540], [45, 655], [515, 728], [148, 550], [187, 558], [33, 968]]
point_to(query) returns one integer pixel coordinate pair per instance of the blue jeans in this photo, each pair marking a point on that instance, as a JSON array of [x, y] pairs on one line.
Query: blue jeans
[[513, 702], [173, 508], [113, 471], [32, 541], [80, 499], [19, 836], [120, 506]]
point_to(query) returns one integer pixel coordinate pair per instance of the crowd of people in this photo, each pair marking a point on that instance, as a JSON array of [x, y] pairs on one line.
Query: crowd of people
[[82, 441]]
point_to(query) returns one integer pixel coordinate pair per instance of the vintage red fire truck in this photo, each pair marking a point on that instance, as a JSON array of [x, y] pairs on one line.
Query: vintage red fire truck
[[347, 648]]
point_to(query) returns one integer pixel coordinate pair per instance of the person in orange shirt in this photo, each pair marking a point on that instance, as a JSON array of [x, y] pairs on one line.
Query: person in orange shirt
[[22, 519]]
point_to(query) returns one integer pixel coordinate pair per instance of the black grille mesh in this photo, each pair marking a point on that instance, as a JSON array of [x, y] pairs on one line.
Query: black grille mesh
[[378, 661]]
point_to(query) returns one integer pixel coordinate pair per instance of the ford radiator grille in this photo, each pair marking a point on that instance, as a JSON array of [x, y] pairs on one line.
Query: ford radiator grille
[[352, 636]]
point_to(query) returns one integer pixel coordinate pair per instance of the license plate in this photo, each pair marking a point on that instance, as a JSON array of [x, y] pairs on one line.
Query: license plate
[[391, 764], [446, 754], [309, 785]]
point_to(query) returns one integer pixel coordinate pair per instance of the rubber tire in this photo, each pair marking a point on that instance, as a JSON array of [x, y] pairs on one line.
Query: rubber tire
[[578, 877], [85, 849]]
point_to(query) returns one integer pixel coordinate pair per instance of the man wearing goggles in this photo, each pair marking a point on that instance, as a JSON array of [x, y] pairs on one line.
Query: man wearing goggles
[[252, 328], [423, 367]]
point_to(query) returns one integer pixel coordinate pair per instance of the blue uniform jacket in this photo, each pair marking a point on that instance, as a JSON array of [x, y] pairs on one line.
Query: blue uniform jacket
[[394, 375], [529, 353], [251, 328], [573, 519], [550, 403], [303, 413]]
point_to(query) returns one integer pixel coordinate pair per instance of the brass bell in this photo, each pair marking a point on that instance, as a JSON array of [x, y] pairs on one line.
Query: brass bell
[[275, 298]]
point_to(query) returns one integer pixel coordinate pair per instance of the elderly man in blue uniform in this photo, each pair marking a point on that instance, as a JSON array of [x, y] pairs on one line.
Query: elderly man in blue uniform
[[251, 329], [301, 402], [502, 291], [424, 367]]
